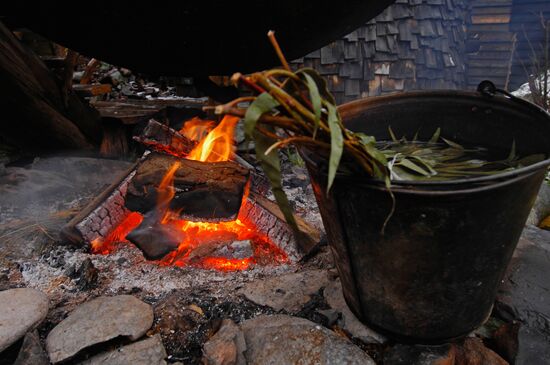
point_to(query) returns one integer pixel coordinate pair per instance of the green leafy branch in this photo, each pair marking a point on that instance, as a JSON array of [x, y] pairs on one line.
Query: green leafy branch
[[296, 108]]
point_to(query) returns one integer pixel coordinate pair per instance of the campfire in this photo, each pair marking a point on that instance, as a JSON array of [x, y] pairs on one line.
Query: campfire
[[190, 203]]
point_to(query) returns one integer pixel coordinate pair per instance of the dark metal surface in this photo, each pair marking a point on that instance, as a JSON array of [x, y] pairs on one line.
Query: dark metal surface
[[434, 273], [199, 37]]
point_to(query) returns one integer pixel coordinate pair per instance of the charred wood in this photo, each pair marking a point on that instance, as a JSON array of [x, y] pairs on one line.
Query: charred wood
[[161, 138], [154, 239], [203, 191]]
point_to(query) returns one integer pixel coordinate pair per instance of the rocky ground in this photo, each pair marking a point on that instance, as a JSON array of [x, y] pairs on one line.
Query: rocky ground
[[62, 304]]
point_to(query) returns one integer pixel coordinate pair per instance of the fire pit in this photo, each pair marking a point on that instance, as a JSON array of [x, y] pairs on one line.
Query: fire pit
[[192, 202]]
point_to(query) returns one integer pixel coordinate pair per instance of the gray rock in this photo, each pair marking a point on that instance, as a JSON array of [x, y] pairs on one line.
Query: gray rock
[[524, 292], [147, 352], [226, 347], [21, 311], [419, 355], [541, 209], [521, 345], [281, 339], [289, 292], [31, 352], [348, 321], [97, 321]]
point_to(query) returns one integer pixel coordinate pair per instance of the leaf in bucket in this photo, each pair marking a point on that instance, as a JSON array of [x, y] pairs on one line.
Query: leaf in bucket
[[435, 137], [531, 159], [263, 103], [452, 144], [392, 135], [315, 100], [414, 167], [512, 156], [336, 144]]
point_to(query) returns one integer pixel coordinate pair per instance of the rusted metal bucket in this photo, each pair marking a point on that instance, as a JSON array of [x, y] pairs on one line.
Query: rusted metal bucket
[[433, 274]]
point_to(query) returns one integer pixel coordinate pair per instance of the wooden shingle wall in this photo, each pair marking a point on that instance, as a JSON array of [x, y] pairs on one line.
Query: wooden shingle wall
[[490, 44], [529, 17], [412, 45]]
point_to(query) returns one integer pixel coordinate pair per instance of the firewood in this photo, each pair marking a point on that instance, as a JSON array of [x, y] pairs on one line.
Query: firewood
[[203, 191], [92, 89], [89, 71], [162, 138]]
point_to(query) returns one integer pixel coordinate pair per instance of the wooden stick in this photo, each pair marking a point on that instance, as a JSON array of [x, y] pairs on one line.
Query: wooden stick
[[271, 35]]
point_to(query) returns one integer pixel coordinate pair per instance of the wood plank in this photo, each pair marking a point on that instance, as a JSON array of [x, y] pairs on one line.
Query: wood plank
[[88, 90], [491, 19]]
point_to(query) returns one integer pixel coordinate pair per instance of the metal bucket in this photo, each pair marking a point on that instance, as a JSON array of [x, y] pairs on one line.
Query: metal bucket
[[433, 274]]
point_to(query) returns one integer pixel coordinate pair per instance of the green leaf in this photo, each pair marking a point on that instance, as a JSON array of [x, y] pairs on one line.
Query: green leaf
[[272, 169], [414, 167], [392, 135], [452, 144], [321, 83], [336, 144], [263, 104], [531, 159], [435, 137], [315, 100], [512, 154]]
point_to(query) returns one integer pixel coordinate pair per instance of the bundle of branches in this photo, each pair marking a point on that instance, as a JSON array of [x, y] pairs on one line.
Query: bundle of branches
[[296, 108]]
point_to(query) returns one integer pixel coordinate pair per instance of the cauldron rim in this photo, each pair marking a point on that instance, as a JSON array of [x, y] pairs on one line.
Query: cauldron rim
[[353, 109]]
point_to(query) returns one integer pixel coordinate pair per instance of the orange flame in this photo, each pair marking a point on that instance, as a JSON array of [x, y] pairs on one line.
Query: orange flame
[[196, 128], [218, 144], [166, 191]]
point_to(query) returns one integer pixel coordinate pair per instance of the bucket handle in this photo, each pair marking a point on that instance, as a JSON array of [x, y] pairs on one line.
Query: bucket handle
[[487, 88]]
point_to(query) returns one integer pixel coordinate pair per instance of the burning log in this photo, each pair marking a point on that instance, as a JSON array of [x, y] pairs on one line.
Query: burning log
[[270, 221], [161, 138], [155, 239], [202, 191]]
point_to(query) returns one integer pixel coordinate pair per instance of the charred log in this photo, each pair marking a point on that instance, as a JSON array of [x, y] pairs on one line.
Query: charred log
[[154, 239], [203, 191], [161, 138]]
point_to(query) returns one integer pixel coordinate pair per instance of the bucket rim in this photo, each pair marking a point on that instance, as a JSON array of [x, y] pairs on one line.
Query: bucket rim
[[353, 108]]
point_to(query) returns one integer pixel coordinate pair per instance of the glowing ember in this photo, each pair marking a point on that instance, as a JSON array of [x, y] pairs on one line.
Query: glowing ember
[[216, 146], [118, 234]]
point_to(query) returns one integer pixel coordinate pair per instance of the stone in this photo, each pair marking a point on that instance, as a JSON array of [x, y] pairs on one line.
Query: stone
[[97, 321], [519, 344], [289, 292], [523, 293], [419, 355], [146, 352], [31, 352], [473, 352], [177, 320], [348, 320], [22, 310], [541, 209], [226, 347], [282, 339]]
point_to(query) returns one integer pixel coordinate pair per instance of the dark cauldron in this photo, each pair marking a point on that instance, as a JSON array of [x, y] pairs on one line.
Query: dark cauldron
[[197, 37], [433, 275]]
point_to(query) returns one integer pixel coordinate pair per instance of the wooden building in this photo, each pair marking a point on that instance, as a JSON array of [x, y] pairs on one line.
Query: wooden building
[[435, 44]]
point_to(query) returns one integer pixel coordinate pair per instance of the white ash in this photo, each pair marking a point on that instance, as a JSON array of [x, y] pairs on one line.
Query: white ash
[[127, 270]]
